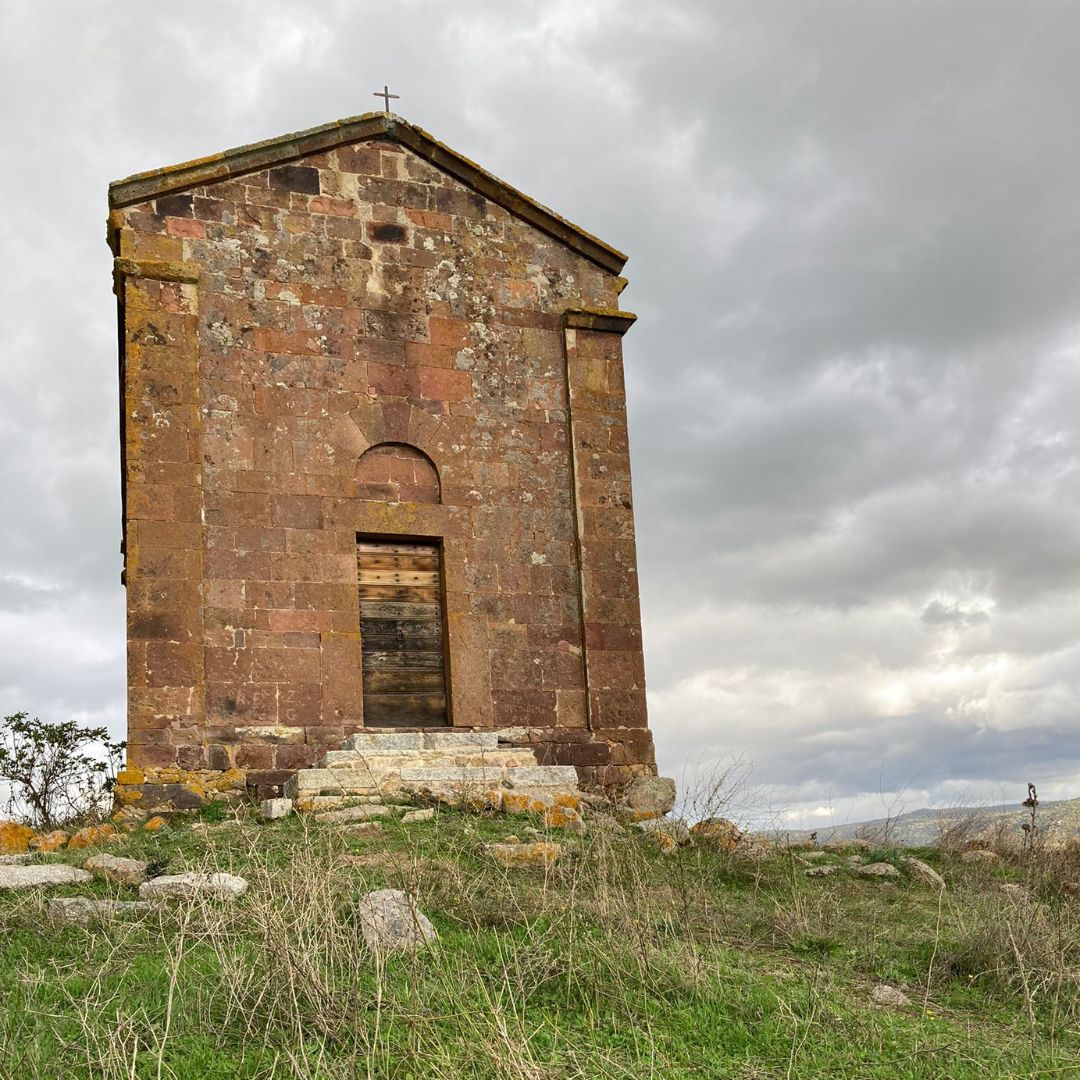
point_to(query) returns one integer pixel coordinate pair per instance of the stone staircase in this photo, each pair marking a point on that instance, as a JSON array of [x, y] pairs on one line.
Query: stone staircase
[[458, 768]]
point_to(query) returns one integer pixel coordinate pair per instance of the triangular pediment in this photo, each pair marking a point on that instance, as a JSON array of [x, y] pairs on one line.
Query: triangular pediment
[[358, 129]]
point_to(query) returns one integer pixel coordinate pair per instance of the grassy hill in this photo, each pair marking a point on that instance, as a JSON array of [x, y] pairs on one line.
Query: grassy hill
[[1058, 820], [620, 961]]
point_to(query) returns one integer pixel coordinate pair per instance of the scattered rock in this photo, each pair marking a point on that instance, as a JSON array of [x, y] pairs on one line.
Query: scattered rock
[[94, 835], [14, 838], [889, 996], [923, 872], [848, 844], [116, 868], [16, 860], [809, 856], [820, 871], [755, 848], [390, 921], [675, 829], [413, 816], [155, 823], [563, 817], [718, 833], [51, 841], [649, 796], [540, 853], [877, 870], [855, 860], [189, 885], [83, 909], [362, 828], [33, 877], [274, 809], [354, 813], [980, 857]]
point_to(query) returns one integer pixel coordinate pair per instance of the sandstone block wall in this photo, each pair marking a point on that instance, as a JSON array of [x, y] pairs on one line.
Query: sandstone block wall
[[300, 344]]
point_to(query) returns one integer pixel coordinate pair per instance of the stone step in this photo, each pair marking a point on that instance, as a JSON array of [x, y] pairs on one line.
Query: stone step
[[399, 742], [371, 778], [454, 755]]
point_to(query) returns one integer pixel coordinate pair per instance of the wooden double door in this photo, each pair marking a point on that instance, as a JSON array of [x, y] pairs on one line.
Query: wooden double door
[[402, 634]]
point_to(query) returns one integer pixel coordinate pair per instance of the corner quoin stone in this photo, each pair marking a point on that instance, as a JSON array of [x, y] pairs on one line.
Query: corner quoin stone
[[305, 323]]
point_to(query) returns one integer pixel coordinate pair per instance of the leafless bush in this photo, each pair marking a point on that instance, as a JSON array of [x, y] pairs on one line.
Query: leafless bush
[[958, 827]]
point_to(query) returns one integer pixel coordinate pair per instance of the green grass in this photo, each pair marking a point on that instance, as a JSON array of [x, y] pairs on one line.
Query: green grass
[[620, 962]]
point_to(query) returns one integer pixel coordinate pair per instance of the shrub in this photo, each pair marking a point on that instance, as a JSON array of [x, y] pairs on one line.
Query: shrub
[[56, 773]]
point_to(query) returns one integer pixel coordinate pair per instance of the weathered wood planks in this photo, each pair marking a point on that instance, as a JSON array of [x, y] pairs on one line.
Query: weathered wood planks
[[402, 638]]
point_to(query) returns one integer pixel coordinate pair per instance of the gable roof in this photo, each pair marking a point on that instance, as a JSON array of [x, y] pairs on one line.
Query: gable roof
[[262, 155]]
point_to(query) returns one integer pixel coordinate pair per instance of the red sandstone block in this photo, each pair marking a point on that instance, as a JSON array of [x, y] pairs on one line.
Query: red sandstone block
[[303, 619], [253, 756], [430, 219], [228, 594], [392, 381], [176, 226], [440, 384], [453, 333], [300, 705], [184, 565], [324, 204], [289, 666], [295, 756], [173, 663], [359, 159], [236, 508], [422, 355], [296, 511], [226, 665]]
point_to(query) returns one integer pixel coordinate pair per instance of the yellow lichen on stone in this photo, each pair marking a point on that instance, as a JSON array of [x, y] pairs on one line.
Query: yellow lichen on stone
[[125, 796], [93, 835], [130, 774], [14, 838], [560, 817], [513, 803], [52, 841], [155, 823]]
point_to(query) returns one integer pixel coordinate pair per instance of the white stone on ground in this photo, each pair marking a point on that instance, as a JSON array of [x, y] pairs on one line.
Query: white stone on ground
[[189, 885], [117, 868], [354, 813], [85, 909], [676, 828], [889, 995], [273, 809], [35, 877], [877, 870], [820, 871], [414, 816], [650, 794], [390, 921], [924, 873]]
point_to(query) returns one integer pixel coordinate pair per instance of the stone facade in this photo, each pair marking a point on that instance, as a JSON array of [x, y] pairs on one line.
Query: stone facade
[[348, 333]]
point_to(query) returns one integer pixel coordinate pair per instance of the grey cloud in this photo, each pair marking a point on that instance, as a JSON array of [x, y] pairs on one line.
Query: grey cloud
[[854, 238]]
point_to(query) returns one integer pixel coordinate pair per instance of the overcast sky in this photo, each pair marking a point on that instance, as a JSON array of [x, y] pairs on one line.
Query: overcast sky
[[854, 388]]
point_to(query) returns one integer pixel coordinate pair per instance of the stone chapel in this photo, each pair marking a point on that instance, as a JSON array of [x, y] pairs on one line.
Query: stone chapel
[[375, 465]]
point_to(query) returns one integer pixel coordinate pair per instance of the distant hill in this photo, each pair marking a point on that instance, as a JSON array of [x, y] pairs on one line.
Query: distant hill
[[923, 828]]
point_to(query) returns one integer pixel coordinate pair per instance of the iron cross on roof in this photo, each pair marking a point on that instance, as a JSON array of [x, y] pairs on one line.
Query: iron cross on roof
[[386, 96]]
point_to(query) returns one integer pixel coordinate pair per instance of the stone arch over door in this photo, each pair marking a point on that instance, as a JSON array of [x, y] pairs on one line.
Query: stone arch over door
[[375, 422], [397, 472]]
